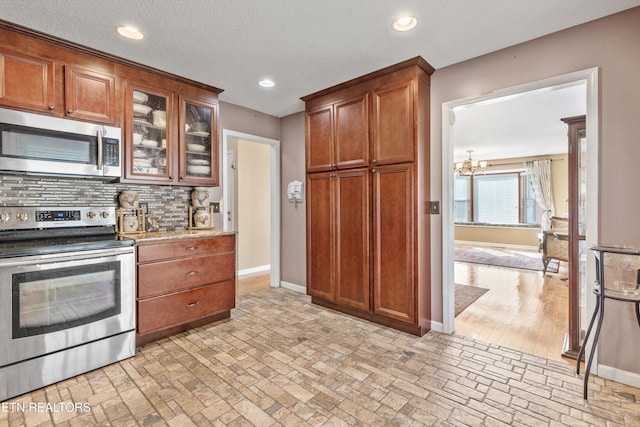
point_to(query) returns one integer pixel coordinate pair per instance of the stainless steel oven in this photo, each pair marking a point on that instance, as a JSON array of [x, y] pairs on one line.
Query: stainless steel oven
[[37, 144], [67, 296]]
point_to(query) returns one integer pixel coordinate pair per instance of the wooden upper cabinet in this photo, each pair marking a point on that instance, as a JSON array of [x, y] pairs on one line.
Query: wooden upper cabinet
[[338, 135], [89, 95], [198, 136], [150, 145], [319, 139], [26, 82], [393, 124], [352, 133]]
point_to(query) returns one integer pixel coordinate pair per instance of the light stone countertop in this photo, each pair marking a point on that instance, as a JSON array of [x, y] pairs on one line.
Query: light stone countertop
[[179, 234]]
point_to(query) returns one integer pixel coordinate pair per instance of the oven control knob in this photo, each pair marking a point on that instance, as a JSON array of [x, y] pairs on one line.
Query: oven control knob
[[91, 214], [104, 214], [4, 216], [22, 216]]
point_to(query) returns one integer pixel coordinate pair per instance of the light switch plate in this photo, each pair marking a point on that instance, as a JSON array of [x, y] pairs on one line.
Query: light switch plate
[[434, 208], [216, 207]]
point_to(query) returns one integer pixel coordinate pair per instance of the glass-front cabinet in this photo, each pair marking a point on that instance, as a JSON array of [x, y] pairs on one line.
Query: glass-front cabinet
[[149, 134], [170, 138], [198, 142]]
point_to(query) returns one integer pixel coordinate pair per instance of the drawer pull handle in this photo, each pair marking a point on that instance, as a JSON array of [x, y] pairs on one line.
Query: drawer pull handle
[[191, 273], [193, 304], [192, 248]]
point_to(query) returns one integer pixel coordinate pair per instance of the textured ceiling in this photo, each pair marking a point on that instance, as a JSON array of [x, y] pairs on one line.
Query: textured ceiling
[[518, 126], [303, 45]]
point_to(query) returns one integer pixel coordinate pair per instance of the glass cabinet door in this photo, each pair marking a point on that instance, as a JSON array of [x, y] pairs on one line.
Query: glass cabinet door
[[148, 122], [199, 142]]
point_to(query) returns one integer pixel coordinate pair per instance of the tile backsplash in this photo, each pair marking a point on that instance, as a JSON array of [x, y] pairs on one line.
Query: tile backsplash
[[169, 204]]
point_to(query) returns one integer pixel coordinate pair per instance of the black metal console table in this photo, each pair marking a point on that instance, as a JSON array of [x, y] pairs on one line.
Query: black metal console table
[[624, 259]]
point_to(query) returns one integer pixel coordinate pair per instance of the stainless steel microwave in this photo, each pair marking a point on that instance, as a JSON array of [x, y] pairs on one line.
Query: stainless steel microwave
[[37, 144]]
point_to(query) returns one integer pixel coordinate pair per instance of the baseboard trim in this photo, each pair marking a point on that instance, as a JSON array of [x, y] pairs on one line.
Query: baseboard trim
[[437, 326], [498, 245], [618, 375], [293, 287], [252, 270]]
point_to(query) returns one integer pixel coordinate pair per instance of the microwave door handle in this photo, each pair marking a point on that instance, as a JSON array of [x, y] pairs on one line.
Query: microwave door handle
[[99, 150]]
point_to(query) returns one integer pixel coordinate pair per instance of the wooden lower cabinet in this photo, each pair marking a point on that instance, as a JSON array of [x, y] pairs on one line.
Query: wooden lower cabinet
[[178, 308], [393, 243], [387, 289], [338, 230], [183, 283]]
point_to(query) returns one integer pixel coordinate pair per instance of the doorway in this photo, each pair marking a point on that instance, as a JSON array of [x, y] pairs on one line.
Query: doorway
[[587, 77], [261, 154]]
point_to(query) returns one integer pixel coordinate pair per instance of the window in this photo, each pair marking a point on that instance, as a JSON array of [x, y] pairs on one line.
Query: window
[[462, 199], [505, 198]]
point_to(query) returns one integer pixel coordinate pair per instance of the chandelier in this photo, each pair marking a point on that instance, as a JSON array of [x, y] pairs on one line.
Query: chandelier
[[470, 166]]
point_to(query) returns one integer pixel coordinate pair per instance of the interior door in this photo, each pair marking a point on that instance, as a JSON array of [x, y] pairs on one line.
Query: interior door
[[577, 139]]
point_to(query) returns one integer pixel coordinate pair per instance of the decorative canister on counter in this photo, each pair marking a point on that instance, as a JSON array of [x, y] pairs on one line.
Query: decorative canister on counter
[[201, 219], [129, 199], [130, 224], [200, 197]]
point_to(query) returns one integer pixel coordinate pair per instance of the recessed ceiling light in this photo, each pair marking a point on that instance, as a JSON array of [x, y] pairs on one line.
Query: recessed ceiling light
[[404, 23], [129, 32], [266, 83]]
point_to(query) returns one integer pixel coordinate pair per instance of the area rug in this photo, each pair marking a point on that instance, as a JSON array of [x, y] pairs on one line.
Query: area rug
[[502, 258], [467, 295]]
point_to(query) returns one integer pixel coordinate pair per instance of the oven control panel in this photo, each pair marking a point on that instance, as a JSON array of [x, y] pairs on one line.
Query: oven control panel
[[30, 217], [57, 216]]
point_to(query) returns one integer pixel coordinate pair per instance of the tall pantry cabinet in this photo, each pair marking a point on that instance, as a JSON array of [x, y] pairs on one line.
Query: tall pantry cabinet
[[368, 226]]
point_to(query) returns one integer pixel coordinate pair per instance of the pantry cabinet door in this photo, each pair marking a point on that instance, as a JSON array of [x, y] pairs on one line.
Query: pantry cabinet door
[[319, 140], [352, 238], [393, 119], [393, 266], [320, 236], [352, 132]]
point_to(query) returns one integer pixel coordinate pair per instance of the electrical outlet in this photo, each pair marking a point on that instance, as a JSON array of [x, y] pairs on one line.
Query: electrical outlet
[[216, 207]]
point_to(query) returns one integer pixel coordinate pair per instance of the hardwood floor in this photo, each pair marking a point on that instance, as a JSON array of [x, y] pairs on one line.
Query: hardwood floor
[[523, 309], [252, 283]]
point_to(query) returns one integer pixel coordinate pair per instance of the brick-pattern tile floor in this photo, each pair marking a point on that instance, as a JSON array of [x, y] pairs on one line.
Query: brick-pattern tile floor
[[280, 360]]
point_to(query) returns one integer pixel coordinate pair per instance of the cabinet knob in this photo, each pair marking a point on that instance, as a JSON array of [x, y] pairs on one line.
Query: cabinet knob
[[69, 111], [373, 170], [52, 107], [333, 165], [373, 161]]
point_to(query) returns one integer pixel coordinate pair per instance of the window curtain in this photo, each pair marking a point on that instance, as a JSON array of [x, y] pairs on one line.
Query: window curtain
[[539, 173]]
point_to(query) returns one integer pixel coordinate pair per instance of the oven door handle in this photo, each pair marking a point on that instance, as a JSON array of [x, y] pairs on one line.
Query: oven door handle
[[65, 256]]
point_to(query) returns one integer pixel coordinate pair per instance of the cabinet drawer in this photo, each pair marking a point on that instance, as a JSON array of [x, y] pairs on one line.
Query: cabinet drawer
[[185, 248], [174, 309], [170, 276]]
